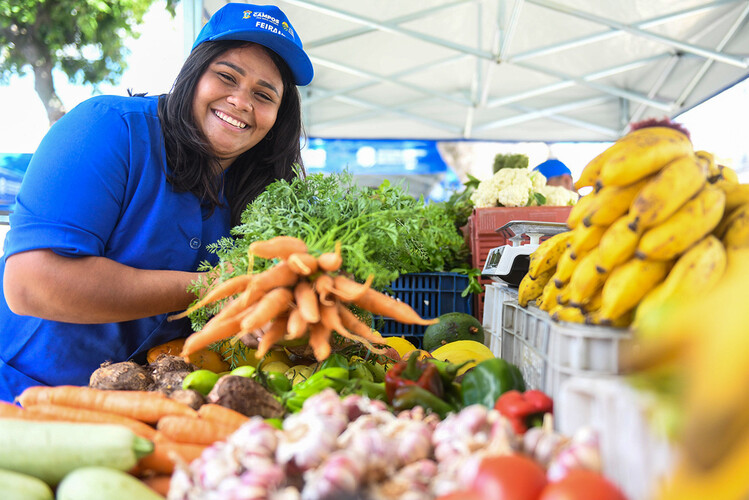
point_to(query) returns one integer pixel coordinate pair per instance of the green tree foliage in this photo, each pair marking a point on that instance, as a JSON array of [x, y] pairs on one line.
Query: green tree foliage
[[83, 38], [510, 161]]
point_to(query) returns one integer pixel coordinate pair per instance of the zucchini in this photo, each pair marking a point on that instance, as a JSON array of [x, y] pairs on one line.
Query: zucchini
[[17, 486], [97, 483], [50, 450]]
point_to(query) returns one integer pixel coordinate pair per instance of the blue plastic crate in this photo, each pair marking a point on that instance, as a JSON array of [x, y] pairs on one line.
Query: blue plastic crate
[[430, 295]]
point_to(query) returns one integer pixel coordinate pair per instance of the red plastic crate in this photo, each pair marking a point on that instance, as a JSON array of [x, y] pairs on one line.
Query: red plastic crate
[[482, 234]]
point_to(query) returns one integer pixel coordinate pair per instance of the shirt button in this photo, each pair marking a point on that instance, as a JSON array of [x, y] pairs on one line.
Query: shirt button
[[195, 243]]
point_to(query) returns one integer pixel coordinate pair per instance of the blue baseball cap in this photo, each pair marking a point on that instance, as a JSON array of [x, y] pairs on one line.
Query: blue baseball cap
[[553, 168], [266, 25]]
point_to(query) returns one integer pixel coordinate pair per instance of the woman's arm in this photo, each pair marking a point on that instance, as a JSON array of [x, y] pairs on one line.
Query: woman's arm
[[92, 289]]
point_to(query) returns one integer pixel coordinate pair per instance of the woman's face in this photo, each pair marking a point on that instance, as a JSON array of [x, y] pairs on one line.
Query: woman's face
[[237, 100]]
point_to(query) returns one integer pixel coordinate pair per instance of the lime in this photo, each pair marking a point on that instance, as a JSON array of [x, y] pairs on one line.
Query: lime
[[201, 381], [243, 371]]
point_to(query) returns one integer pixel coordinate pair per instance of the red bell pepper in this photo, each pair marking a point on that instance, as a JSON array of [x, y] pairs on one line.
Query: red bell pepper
[[524, 409], [413, 373]]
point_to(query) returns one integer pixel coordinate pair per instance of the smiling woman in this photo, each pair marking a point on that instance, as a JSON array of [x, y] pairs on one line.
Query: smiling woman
[[123, 194]]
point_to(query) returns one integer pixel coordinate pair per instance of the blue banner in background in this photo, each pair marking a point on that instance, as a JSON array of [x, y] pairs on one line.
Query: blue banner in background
[[386, 158]]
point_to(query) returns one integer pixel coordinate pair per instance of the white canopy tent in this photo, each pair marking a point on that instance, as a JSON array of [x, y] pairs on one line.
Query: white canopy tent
[[507, 70]]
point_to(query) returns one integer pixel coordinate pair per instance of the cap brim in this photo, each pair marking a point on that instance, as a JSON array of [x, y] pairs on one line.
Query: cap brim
[[296, 58]]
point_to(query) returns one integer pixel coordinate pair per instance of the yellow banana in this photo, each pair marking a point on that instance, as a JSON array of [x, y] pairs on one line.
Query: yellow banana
[[547, 295], [563, 295], [668, 190], [530, 288], [585, 237], [628, 284], [727, 220], [580, 210], [547, 254], [594, 304], [586, 279], [567, 263], [695, 219], [708, 160], [728, 174], [619, 242], [736, 233], [650, 151], [569, 314], [695, 272], [736, 195], [611, 203]]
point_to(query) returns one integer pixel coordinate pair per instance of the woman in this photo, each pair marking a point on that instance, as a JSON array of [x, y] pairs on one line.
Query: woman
[[124, 193]]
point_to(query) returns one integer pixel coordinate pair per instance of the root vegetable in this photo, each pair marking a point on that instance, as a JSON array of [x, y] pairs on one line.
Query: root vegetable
[[280, 247], [307, 301], [379, 303], [70, 414], [245, 396], [193, 430], [148, 407], [274, 303], [303, 264], [124, 376]]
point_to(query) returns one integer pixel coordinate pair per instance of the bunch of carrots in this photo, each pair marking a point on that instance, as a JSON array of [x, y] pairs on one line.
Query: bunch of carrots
[[179, 432], [302, 295]]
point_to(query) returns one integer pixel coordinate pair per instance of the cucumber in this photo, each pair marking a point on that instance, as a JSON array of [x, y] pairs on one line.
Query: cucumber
[[17, 486], [97, 483], [50, 450]]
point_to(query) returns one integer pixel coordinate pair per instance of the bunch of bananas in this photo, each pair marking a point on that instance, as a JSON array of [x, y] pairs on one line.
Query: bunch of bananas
[[656, 226]]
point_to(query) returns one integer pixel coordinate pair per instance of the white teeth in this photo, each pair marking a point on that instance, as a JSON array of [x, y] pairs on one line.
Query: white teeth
[[228, 119]]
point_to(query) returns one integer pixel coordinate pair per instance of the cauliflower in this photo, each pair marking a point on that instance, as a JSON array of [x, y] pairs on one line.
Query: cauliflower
[[516, 187], [558, 196]]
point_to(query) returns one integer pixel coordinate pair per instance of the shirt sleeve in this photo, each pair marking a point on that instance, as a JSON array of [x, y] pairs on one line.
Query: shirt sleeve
[[72, 193]]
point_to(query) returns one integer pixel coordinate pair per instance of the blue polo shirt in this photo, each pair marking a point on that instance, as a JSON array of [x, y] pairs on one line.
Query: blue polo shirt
[[97, 186]]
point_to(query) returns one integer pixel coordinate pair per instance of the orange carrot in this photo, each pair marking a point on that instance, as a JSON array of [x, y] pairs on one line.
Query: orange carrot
[[303, 264], [70, 414], [145, 406], [319, 340], [348, 290], [274, 303], [307, 301], [330, 317], [296, 327], [160, 484], [324, 289], [218, 328], [279, 247], [379, 303], [193, 430], [272, 335], [9, 410], [225, 289], [331, 261], [277, 276], [166, 453], [217, 413], [355, 325]]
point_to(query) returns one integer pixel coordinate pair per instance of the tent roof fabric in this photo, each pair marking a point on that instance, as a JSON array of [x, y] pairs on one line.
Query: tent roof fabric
[[509, 70]]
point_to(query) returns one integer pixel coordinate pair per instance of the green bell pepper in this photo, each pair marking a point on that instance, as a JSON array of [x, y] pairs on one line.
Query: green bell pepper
[[335, 360], [490, 379], [335, 377]]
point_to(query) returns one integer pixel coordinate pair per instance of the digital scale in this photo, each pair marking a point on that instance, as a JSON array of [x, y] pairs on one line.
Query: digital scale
[[509, 263]]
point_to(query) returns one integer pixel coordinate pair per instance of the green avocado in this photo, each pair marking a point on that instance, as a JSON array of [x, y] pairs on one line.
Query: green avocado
[[451, 327]]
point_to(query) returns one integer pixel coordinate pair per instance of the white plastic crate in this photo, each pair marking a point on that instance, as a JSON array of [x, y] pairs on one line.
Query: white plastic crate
[[495, 295], [525, 342], [633, 455], [548, 352]]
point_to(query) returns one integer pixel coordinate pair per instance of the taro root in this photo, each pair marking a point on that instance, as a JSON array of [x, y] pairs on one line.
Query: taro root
[[189, 397], [168, 372], [245, 396], [123, 376]]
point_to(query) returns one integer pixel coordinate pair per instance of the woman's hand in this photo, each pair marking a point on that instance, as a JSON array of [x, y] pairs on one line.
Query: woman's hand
[[44, 284]]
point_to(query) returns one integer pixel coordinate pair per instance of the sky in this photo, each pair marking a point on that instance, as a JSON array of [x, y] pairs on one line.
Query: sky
[[720, 126]]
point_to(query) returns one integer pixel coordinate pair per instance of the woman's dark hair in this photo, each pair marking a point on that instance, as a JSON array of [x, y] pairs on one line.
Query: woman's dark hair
[[193, 167]]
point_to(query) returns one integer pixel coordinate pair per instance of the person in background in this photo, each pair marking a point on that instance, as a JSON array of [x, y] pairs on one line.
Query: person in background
[[124, 193], [556, 173]]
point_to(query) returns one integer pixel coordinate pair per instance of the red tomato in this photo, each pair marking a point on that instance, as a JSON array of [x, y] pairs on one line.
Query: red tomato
[[582, 484], [509, 477], [462, 495]]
